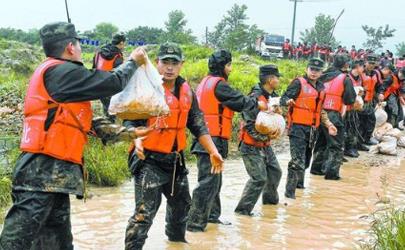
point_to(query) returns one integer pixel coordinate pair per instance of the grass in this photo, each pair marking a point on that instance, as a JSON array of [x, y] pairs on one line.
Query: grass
[[388, 230]]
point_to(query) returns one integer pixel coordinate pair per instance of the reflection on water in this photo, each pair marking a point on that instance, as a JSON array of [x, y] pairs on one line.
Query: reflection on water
[[326, 215]]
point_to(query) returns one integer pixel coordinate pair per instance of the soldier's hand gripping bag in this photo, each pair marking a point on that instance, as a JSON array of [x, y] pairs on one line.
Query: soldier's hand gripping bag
[[270, 123], [143, 97]]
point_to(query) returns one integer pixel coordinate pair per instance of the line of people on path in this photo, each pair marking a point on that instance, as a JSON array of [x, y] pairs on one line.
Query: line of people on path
[[323, 111]]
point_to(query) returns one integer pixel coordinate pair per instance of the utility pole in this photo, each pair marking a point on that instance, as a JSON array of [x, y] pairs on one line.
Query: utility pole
[[67, 12], [206, 36], [293, 24]]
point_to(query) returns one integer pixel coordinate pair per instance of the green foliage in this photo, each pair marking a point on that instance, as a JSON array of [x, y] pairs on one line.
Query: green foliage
[[232, 32], [376, 36], [388, 230], [321, 32], [5, 195], [149, 35], [105, 31], [176, 29], [400, 47], [106, 165], [31, 36]]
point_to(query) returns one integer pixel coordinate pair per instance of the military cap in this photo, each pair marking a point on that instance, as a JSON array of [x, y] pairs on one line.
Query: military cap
[[269, 69], [219, 59], [316, 63], [372, 58], [388, 65], [356, 62], [340, 61], [58, 31], [170, 51]]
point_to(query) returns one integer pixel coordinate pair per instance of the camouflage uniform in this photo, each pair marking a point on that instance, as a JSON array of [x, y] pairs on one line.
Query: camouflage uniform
[[260, 162], [40, 215]]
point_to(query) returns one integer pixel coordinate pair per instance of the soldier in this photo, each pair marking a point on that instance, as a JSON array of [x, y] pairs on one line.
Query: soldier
[[218, 101], [260, 161], [371, 78], [157, 162], [107, 58], [304, 96], [389, 91], [353, 138], [57, 117], [339, 91]]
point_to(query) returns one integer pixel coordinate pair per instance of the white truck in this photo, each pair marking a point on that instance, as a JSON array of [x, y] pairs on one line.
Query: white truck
[[270, 46]]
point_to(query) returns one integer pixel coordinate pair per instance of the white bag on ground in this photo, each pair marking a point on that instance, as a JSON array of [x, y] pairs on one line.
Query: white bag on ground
[[401, 141], [381, 116], [388, 145], [382, 130], [143, 97], [269, 123], [394, 133]]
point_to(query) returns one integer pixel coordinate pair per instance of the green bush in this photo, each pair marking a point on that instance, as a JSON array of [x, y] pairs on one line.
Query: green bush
[[388, 230], [106, 165], [5, 195]]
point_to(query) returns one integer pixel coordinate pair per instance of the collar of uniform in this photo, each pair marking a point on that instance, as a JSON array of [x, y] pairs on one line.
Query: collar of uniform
[[67, 60]]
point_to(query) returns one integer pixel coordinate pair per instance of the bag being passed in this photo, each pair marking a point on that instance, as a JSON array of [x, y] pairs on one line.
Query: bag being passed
[[143, 97]]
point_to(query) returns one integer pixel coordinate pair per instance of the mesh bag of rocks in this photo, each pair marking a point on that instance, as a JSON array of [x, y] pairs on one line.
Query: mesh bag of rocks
[[270, 122]]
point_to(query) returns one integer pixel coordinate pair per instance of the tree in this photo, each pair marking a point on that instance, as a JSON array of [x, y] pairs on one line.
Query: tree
[[321, 32], [149, 35], [176, 29], [105, 31], [232, 32], [30, 36], [376, 36], [400, 49]]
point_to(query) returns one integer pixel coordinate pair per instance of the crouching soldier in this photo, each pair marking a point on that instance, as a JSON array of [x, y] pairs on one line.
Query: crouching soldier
[[218, 101], [304, 96], [157, 162], [260, 161]]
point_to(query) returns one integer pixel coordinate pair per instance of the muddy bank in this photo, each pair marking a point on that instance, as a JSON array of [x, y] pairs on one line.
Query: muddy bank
[[326, 215]]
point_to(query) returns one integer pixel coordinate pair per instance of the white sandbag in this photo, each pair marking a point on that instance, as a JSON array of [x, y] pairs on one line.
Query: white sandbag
[[394, 133], [381, 116], [270, 123], [401, 142], [382, 130], [359, 103], [388, 145], [143, 97]]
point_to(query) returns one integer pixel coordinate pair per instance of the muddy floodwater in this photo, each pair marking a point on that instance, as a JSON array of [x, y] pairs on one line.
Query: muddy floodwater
[[326, 215]]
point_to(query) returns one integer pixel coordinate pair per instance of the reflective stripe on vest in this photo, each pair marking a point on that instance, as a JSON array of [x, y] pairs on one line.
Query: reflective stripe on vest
[[249, 140], [308, 105], [334, 92], [104, 64], [217, 117], [67, 135], [171, 129], [393, 88]]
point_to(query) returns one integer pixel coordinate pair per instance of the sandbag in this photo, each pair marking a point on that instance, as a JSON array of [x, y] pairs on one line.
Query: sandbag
[[269, 123], [382, 130], [388, 145], [143, 97], [394, 133], [401, 142], [381, 116]]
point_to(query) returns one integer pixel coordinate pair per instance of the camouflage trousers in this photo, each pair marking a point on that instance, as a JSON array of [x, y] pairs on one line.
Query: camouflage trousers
[[394, 110], [328, 153], [367, 121], [37, 220], [206, 203], [265, 173], [150, 183]]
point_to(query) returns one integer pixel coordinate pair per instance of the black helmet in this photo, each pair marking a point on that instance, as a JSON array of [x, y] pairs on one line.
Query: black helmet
[[117, 38], [340, 61], [218, 60]]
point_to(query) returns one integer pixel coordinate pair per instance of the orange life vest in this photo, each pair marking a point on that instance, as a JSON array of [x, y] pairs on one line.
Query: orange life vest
[[369, 86], [333, 93], [217, 117], [393, 88], [104, 64], [171, 129], [358, 83], [286, 46], [308, 106], [377, 77], [67, 135], [249, 140]]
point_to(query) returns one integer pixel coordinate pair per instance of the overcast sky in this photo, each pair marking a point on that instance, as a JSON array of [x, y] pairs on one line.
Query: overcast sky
[[273, 16]]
